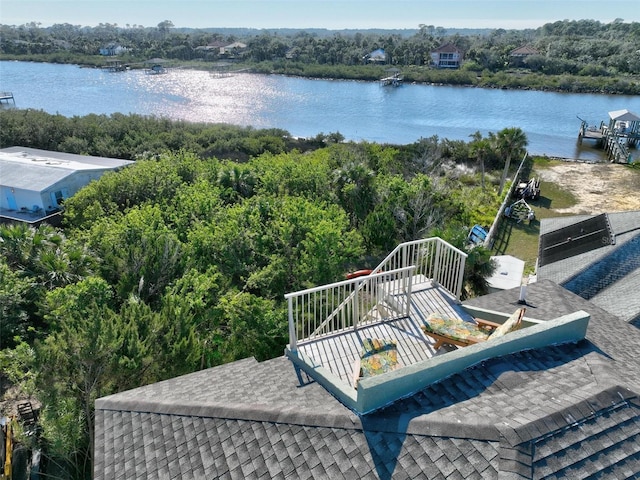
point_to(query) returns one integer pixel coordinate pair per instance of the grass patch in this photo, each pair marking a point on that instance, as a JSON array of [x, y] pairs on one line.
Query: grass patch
[[521, 239]]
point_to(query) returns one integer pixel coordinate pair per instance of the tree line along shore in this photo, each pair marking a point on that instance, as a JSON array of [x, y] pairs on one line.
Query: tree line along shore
[[584, 56]]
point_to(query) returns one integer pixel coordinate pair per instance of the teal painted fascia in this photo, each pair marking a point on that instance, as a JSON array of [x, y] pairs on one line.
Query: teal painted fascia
[[340, 389], [381, 390]]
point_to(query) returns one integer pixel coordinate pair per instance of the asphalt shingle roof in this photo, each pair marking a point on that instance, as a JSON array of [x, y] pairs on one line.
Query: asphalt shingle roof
[[520, 416], [608, 276]]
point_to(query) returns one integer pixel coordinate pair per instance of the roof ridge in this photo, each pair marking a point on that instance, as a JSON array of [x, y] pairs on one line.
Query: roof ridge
[[589, 407], [255, 412], [603, 273]]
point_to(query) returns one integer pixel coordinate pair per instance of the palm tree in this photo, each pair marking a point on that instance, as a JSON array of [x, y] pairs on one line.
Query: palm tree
[[44, 255], [510, 142], [480, 148], [479, 265], [237, 180], [354, 187]]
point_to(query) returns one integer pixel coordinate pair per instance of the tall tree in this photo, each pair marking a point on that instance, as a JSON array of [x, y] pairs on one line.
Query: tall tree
[[353, 184], [510, 142], [94, 350], [14, 288], [164, 27], [480, 148], [76, 362], [141, 254]]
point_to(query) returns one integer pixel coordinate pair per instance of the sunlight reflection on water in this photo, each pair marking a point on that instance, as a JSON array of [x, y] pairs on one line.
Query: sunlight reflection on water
[[305, 107], [197, 96]]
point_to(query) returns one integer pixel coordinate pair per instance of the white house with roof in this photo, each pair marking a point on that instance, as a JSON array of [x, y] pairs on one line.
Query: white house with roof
[[34, 183], [446, 56], [377, 56], [112, 49]]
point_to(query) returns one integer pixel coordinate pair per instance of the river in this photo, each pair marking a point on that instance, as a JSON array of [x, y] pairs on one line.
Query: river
[[305, 107]]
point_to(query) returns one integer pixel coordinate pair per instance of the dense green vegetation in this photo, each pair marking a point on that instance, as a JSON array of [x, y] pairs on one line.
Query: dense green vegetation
[[180, 261], [573, 56], [135, 136]]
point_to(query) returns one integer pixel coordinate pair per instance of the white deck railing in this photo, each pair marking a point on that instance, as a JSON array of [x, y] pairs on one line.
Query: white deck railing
[[434, 258], [329, 309], [385, 294]]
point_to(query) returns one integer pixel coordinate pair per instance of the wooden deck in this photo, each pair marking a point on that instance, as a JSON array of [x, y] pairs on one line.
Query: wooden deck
[[591, 134], [339, 351]]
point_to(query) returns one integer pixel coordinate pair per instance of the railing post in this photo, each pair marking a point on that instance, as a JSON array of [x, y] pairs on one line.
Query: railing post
[[436, 264], [356, 308], [293, 336], [410, 274], [405, 259], [461, 264]]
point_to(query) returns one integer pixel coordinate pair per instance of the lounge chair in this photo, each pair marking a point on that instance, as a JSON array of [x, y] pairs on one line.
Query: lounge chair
[[377, 356], [453, 331]]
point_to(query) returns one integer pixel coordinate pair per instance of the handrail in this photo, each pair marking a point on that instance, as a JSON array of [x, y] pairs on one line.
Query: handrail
[[411, 255], [328, 309], [312, 313], [430, 263], [368, 280]]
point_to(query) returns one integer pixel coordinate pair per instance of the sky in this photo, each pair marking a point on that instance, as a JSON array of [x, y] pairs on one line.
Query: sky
[[329, 14]]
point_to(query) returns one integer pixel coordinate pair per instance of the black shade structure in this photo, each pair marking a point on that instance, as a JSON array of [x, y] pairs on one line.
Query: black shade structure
[[580, 237]]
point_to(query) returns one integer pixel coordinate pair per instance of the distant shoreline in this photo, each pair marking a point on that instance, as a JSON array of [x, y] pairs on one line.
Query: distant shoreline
[[515, 80]]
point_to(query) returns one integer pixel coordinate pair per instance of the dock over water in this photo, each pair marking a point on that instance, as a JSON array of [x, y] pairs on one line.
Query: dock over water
[[6, 97], [621, 134], [394, 79]]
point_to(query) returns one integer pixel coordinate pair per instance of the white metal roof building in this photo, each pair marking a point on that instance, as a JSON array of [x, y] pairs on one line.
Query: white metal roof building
[[35, 183]]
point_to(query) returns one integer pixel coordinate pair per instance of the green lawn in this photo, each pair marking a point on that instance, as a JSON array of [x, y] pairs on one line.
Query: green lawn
[[521, 239]]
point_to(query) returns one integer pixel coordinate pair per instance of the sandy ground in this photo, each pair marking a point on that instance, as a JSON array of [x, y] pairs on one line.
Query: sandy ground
[[598, 187]]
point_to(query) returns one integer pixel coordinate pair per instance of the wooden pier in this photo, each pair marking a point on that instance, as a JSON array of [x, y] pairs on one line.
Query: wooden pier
[[6, 97], [617, 138], [156, 66], [394, 79], [115, 66]]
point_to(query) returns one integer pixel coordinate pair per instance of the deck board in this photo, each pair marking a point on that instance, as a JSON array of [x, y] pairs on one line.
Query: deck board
[[339, 352]]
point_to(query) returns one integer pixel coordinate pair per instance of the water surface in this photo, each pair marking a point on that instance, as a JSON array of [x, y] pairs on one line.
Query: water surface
[[306, 107]]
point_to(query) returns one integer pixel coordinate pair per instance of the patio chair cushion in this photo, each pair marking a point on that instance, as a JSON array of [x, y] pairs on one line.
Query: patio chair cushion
[[455, 328], [378, 356], [512, 323]]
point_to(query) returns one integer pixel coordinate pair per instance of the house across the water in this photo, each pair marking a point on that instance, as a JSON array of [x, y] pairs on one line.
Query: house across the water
[[377, 56], [518, 56], [446, 56]]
